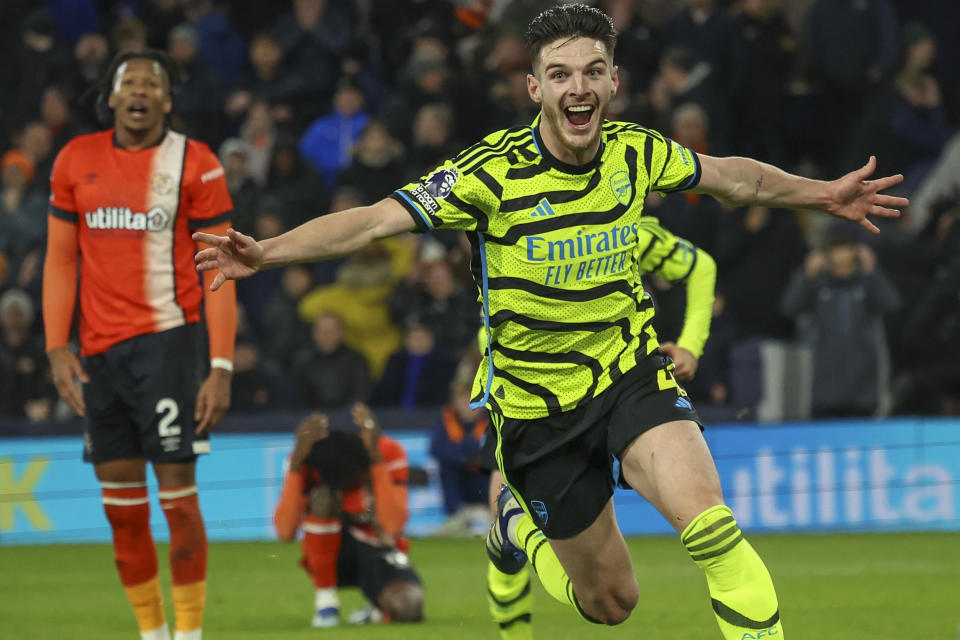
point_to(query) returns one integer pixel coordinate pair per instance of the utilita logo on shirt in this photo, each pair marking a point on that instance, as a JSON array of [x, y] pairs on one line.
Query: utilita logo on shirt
[[156, 219]]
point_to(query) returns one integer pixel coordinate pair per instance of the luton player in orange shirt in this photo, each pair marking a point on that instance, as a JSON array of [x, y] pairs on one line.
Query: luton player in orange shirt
[[123, 205], [348, 492]]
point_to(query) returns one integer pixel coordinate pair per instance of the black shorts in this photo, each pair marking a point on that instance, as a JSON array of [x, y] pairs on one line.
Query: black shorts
[[371, 567], [141, 397], [564, 468], [487, 460]]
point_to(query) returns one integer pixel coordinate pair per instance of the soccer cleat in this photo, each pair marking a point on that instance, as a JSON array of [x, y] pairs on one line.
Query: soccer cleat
[[504, 555], [326, 618], [368, 615]]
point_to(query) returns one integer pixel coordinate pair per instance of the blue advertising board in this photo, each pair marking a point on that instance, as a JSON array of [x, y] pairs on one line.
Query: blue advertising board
[[829, 476], [48, 494], [806, 477]]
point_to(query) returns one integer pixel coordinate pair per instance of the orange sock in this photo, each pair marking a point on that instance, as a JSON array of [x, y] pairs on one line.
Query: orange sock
[[128, 510], [321, 546], [188, 556]]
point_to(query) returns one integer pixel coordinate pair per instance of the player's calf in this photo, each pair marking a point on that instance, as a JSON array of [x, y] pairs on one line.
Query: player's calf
[[321, 547], [127, 508], [592, 567], [188, 557], [741, 591]]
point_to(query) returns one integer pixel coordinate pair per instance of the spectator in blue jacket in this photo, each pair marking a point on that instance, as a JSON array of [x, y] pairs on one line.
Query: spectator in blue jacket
[[328, 142], [416, 375]]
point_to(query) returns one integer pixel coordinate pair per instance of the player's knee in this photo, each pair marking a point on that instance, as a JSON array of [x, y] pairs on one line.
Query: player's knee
[[622, 602], [175, 474], [612, 605], [628, 597], [608, 611], [402, 602]]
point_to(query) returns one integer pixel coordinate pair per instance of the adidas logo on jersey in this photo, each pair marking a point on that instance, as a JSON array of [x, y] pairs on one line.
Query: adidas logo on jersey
[[156, 219], [543, 209]]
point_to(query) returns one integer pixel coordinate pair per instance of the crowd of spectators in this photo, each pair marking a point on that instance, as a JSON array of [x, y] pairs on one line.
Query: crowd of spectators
[[316, 106]]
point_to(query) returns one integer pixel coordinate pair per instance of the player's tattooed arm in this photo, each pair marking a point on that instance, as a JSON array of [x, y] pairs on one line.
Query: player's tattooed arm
[[743, 181], [756, 192]]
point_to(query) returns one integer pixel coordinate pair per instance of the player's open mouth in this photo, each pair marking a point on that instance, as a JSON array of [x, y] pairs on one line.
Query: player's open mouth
[[579, 115], [137, 111]]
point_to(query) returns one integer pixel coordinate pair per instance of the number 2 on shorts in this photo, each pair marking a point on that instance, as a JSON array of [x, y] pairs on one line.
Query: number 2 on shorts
[[169, 411]]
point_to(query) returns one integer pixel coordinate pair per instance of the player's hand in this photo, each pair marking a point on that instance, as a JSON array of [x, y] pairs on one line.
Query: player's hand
[[213, 399], [235, 255], [313, 429], [369, 429], [66, 370], [853, 197], [684, 362]]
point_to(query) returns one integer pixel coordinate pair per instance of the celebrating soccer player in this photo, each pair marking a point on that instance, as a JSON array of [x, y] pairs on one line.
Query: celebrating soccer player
[[677, 261], [125, 201], [572, 374]]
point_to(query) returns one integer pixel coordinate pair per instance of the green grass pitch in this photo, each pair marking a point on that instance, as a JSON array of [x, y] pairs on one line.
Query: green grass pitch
[[855, 587]]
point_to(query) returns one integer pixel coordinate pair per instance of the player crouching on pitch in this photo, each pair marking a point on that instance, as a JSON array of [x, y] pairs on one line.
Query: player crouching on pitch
[[348, 492]]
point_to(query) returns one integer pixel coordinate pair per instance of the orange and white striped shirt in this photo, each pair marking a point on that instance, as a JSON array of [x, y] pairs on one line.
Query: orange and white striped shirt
[[131, 215]]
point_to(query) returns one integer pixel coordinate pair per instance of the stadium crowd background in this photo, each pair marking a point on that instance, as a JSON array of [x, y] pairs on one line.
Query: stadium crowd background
[[321, 105]]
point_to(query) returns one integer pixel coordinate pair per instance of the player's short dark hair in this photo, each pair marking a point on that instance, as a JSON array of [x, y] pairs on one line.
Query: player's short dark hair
[[160, 57], [104, 85], [569, 21], [341, 459]]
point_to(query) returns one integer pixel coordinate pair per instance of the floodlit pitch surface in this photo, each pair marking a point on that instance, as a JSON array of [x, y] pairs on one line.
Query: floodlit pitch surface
[[873, 587]]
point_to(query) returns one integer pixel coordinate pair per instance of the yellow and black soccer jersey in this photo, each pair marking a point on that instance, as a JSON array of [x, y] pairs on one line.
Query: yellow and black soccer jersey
[[677, 261], [556, 258], [662, 253]]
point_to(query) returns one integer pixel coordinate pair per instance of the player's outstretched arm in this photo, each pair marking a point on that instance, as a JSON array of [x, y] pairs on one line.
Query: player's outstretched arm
[[237, 256], [743, 181]]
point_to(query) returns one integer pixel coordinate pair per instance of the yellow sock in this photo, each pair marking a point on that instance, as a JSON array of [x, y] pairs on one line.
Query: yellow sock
[[147, 603], [188, 603], [511, 602], [741, 591], [544, 561]]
